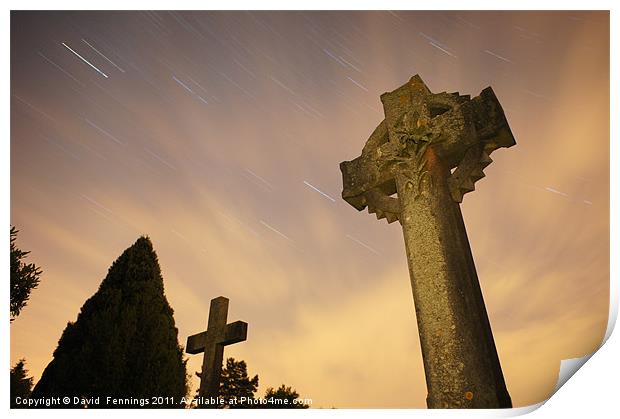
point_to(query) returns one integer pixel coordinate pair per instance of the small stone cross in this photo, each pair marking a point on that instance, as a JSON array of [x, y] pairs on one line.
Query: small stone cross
[[212, 342]]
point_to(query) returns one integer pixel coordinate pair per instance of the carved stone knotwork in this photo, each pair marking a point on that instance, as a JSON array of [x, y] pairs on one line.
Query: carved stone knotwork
[[449, 123]]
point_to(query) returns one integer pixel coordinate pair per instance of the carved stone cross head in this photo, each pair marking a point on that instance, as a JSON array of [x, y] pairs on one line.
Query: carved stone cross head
[[422, 128]]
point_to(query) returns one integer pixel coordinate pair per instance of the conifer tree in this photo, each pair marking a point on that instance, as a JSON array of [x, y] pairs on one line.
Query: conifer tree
[[283, 398], [21, 384], [235, 384], [124, 342], [24, 277]]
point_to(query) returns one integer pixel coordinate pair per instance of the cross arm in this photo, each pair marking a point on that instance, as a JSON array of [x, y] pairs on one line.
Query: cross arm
[[368, 180], [196, 343], [366, 171], [235, 332]]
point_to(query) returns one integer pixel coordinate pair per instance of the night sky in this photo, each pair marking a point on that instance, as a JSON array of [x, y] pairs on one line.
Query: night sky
[[219, 135]]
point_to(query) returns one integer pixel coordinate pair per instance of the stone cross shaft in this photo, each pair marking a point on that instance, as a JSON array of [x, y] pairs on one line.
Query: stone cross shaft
[[415, 168], [212, 342]]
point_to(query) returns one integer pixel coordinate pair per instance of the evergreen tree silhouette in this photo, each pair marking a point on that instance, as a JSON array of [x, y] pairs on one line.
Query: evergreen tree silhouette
[[24, 277], [124, 342], [283, 398], [235, 384], [21, 384]]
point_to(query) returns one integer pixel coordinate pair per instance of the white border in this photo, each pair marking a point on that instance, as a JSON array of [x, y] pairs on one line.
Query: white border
[[592, 392]]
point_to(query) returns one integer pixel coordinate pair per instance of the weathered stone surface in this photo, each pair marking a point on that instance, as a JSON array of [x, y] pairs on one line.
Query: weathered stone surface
[[212, 342], [411, 154]]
